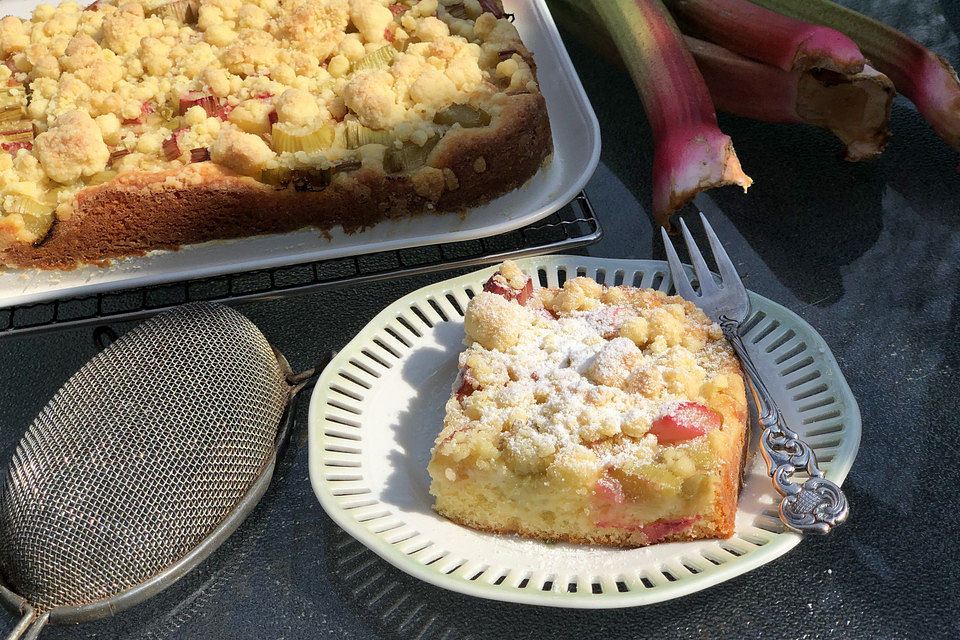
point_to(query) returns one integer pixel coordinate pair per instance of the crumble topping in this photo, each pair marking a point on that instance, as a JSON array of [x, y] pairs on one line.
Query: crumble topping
[[261, 87], [72, 147], [569, 382]]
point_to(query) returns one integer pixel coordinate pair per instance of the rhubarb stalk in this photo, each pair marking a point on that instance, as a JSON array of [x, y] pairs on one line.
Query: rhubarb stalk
[[579, 18], [855, 108], [766, 36], [926, 78], [691, 154]]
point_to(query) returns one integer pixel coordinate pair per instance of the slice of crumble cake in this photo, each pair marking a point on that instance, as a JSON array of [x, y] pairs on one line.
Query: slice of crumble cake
[[591, 414]]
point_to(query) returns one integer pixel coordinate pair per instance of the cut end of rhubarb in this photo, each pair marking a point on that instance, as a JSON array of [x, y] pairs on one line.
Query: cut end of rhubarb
[[686, 165], [918, 73], [692, 154], [826, 48], [855, 108]]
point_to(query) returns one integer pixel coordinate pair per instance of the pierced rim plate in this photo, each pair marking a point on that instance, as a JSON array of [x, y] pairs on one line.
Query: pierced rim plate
[[378, 406]]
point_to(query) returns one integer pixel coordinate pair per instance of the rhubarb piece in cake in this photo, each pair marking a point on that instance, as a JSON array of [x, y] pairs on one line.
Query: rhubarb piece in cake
[[591, 414]]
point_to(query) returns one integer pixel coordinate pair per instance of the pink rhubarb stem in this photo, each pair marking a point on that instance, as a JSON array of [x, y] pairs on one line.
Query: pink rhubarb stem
[[926, 78], [855, 108], [691, 154], [746, 87], [766, 36]]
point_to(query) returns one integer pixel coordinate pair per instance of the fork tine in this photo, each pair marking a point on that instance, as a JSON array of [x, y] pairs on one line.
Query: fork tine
[[677, 274], [707, 285], [731, 279]]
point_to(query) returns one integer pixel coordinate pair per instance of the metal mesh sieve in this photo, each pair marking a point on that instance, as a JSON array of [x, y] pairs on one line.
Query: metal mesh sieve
[[140, 456]]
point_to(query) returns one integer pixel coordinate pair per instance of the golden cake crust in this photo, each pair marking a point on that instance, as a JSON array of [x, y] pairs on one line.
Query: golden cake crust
[[139, 212]]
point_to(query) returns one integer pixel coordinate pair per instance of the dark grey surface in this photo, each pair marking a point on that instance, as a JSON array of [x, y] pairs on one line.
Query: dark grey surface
[[869, 254]]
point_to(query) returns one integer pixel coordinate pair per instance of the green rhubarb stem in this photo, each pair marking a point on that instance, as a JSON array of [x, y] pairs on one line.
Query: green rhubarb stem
[[579, 18], [926, 78], [766, 36], [855, 108], [691, 154]]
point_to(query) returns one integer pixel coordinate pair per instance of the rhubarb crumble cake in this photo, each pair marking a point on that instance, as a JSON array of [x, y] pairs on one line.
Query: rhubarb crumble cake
[[132, 125], [591, 414]]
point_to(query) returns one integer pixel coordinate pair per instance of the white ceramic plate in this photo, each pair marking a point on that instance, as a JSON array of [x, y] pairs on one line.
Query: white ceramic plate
[[576, 152], [379, 405]]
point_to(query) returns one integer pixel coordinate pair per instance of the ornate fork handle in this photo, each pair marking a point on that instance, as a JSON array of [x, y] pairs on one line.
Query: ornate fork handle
[[818, 504]]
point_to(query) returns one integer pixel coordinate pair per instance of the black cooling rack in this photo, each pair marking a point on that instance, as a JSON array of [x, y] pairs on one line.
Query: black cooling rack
[[575, 225]]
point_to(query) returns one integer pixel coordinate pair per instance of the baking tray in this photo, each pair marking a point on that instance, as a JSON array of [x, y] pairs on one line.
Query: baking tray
[[576, 152]]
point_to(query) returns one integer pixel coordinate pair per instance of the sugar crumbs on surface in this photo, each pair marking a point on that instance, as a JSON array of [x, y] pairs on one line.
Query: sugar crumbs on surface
[[576, 383]]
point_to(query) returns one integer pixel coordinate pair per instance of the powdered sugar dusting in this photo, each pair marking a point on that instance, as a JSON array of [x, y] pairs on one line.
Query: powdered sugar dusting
[[559, 384]]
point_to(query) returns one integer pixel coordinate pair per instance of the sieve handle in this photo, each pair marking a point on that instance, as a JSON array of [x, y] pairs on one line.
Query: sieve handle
[[29, 623], [34, 631], [298, 381]]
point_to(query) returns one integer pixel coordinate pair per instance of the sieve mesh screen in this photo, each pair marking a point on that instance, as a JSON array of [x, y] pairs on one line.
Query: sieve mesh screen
[[139, 456]]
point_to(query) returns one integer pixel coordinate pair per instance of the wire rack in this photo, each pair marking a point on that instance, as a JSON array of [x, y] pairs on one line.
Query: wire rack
[[575, 225]]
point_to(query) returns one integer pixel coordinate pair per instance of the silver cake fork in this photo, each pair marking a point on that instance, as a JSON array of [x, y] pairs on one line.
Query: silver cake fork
[[817, 505]]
